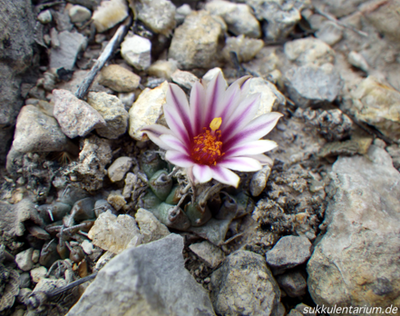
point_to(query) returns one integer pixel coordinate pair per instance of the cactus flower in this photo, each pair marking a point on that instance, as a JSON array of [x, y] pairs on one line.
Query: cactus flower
[[216, 133]]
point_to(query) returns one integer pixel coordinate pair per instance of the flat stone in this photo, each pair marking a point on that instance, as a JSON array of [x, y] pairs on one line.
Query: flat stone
[[150, 227], [238, 17], [309, 50], [289, 252], [136, 51], [76, 117], [293, 283], [115, 234], [356, 263], [118, 169], [311, 84], [109, 14], [38, 273], [184, 78], [157, 15], [37, 132], [245, 48], [64, 56], [163, 68], [195, 42], [211, 254], [378, 104], [147, 110], [79, 14], [23, 259], [244, 285], [330, 33], [119, 78], [113, 112], [148, 280]]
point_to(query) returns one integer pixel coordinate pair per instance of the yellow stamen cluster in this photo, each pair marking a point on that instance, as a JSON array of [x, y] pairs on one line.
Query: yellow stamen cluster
[[207, 146]]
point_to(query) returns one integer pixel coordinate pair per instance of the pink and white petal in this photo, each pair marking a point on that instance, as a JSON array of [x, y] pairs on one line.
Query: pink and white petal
[[263, 159], [240, 163], [179, 159], [243, 114], [251, 148], [178, 106], [176, 125], [224, 175], [214, 95], [230, 101], [154, 132], [174, 143], [257, 128], [197, 104], [202, 173]]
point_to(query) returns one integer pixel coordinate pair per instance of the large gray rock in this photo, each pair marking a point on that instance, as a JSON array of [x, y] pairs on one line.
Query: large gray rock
[[244, 285], [357, 263], [148, 280], [76, 117], [37, 132], [310, 84], [113, 112], [195, 42], [16, 24]]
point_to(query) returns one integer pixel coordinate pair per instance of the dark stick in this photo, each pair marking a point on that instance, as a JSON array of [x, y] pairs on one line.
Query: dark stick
[[105, 55]]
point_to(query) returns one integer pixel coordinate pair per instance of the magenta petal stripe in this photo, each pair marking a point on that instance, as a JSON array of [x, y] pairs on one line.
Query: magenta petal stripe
[[257, 128], [178, 158], [177, 98], [174, 143], [243, 114], [197, 103], [215, 92]]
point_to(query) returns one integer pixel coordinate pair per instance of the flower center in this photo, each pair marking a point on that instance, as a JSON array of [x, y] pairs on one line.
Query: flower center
[[206, 148]]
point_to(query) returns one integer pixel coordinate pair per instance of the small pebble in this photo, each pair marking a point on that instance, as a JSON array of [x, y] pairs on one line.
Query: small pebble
[[38, 273], [35, 255], [45, 17], [79, 14], [24, 259]]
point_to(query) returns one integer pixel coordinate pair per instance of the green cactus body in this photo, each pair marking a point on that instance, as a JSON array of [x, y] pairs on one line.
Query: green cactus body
[[149, 201], [150, 163], [161, 184], [198, 215], [174, 197], [171, 216]]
